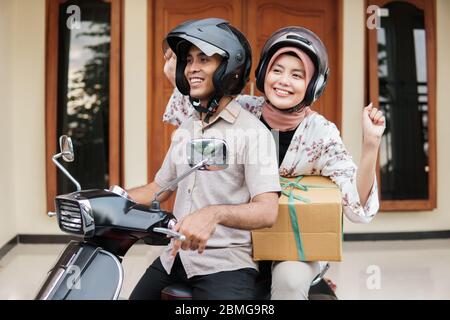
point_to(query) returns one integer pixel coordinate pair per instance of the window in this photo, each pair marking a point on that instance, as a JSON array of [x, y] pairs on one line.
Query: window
[[84, 92], [402, 72]]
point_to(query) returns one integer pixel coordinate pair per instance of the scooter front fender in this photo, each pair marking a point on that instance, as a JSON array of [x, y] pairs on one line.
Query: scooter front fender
[[83, 272]]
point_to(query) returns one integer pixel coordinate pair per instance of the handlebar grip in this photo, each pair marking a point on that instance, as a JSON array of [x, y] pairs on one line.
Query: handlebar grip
[[170, 233]]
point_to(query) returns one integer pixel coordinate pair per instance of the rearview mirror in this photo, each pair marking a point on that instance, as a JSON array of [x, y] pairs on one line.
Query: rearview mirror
[[202, 154], [214, 150], [66, 147]]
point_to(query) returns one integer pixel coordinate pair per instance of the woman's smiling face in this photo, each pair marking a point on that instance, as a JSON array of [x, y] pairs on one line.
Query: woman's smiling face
[[285, 83]]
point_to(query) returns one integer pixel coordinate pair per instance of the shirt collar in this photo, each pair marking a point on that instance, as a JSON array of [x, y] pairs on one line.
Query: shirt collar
[[229, 113]]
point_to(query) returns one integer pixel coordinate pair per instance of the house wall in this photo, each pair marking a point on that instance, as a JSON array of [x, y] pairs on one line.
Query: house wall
[[8, 227], [135, 91], [22, 125]]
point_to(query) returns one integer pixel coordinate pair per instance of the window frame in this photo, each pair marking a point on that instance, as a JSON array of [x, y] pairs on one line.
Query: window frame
[[429, 8], [116, 171]]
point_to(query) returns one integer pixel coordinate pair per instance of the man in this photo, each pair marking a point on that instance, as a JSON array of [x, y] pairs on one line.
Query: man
[[215, 210]]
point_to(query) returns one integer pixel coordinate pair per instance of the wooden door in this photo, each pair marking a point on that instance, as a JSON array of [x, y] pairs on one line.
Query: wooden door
[[322, 17]]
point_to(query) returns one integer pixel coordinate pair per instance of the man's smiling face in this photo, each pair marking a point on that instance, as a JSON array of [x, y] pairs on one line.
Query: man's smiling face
[[199, 73]]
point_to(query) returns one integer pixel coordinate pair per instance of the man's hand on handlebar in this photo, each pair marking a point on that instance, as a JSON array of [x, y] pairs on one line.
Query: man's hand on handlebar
[[197, 227]]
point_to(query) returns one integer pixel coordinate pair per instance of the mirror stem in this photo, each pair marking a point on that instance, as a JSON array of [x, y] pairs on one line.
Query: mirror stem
[[54, 159], [184, 175]]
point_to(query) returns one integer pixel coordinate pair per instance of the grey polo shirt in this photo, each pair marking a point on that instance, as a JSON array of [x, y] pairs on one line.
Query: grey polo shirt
[[252, 170]]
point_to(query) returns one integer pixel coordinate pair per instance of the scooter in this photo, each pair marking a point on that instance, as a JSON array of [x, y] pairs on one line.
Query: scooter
[[109, 223]]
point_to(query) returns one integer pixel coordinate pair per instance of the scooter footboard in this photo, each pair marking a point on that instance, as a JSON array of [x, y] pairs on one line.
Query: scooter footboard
[[83, 272]]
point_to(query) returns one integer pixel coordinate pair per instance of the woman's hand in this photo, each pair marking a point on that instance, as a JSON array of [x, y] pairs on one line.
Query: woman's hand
[[170, 65], [373, 124]]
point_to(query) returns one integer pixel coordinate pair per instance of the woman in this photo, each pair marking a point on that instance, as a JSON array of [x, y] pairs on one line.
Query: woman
[[292, 74]]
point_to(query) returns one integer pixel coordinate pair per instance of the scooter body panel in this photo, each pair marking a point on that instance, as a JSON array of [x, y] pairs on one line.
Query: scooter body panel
[[83, 272]]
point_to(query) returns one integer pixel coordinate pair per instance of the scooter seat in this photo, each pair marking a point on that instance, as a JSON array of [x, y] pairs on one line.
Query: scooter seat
[[177, 291], [319, 289], [181, 291]]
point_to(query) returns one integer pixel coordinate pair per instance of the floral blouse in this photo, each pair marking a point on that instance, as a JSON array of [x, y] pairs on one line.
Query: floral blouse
[[315, 149]]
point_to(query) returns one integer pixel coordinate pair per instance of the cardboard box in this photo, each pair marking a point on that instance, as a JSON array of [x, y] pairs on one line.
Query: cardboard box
[[319, 216]]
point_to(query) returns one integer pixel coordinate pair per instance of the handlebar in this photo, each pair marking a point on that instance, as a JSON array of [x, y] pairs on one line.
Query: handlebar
[[170, 233], [167, 231]]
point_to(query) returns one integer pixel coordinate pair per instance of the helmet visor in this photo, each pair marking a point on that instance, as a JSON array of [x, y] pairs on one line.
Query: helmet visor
[[205, 47]]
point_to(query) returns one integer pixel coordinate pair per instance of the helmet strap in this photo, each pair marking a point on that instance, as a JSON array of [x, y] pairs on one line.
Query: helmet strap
[[210, 109]]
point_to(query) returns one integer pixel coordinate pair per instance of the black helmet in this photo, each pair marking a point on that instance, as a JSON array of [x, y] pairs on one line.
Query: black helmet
[[213, 36], [308, 42]]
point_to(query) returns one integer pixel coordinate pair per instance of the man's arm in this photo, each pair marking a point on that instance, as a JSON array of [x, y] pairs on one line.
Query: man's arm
[[261, 213], [199, 226], [144, 194]]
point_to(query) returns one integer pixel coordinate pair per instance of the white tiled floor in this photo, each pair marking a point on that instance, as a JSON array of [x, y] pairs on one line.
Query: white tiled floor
[[370, 270], [407, 269]]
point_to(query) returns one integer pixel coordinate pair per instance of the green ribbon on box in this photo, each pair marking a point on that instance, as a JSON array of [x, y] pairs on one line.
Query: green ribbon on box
[[288, 187]]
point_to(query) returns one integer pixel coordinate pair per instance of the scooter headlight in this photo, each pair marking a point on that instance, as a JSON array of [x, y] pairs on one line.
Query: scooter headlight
[[75, 216]]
